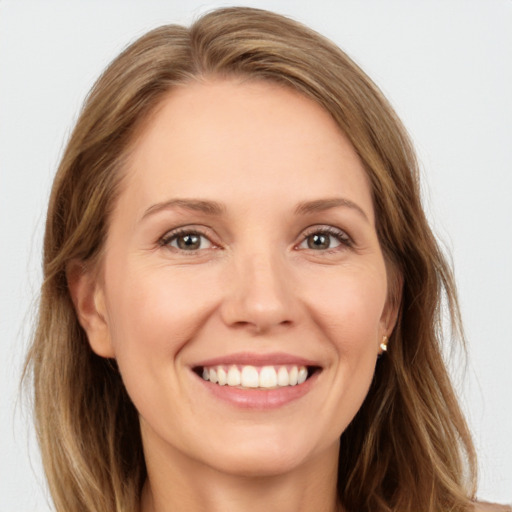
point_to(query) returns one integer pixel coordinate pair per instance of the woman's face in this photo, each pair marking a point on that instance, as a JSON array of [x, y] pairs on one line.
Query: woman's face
[[242, 250]]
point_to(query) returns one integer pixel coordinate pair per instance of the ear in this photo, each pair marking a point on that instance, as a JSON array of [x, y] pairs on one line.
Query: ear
[[88, 298], [393, 303]]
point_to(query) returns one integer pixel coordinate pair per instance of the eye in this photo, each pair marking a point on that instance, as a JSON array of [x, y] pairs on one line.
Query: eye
[[325, 238], [186, 240]]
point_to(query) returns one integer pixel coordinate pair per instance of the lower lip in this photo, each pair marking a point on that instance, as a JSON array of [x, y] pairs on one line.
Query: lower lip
[[259, 398]]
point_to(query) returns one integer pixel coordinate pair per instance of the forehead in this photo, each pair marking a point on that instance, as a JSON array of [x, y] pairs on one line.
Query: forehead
[[256, 139]]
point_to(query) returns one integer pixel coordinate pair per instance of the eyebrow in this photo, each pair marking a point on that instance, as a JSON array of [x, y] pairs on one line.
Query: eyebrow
[[321, 205], [196, 205], [215, 208]]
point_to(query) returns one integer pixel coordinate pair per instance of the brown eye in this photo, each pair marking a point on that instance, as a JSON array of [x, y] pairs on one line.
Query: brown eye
[[324, 238], [187, 241], [319, 241]]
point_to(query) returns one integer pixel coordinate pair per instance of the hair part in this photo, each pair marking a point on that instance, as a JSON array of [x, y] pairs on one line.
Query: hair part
[[409, 442]]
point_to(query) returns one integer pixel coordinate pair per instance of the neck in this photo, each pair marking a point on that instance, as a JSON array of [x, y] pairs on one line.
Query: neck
[[184, 484]]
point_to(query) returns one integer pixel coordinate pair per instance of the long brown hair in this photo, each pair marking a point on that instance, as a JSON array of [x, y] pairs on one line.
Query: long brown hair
[[408, 448]]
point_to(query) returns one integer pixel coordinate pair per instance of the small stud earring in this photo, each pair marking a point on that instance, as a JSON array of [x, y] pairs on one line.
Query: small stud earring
[[384, 344]]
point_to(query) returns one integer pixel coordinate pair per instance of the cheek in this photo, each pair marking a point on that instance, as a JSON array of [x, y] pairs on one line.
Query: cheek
[[153, 312], [349, 305]]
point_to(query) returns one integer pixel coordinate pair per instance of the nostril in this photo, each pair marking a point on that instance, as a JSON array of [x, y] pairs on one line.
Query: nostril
[[259, 299]]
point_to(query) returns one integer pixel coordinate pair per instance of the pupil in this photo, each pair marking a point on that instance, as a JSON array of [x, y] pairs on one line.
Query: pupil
[[318, 241], [189, 242]]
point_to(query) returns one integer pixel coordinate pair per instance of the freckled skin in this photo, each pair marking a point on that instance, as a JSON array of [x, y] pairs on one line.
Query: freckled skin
[[254, 283]]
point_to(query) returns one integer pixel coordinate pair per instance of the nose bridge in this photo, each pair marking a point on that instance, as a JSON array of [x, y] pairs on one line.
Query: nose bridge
[[260, 292]]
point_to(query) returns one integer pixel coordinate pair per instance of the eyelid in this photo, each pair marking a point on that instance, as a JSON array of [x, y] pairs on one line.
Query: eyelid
[[341, 235], [166, 239]]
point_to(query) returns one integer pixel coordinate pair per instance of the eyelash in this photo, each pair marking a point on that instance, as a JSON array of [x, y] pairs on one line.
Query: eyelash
[[174, 235], [341, 236]]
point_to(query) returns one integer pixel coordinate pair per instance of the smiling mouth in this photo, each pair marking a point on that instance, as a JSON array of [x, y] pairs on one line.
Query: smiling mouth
[[256, 377]]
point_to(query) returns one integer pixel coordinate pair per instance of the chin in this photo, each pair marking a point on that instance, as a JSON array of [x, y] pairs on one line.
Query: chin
[[259, 464], [267, 454]]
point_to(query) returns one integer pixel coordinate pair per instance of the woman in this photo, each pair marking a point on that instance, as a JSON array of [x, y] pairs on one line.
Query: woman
[[242, 295]]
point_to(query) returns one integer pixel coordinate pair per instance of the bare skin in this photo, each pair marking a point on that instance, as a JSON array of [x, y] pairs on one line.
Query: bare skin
[[214, 491], [261, 175], [244, 235]]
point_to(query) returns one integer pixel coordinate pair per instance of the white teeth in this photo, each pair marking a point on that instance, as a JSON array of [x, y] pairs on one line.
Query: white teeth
[[249, 376], [233, 376], [268, 377], [283, 378], [221, 376], [293, 375]]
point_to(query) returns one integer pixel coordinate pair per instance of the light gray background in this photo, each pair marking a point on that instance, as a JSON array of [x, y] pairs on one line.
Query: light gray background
[[445, 65]]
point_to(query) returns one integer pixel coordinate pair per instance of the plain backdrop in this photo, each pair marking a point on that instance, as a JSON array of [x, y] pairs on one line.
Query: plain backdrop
[[446, 67]]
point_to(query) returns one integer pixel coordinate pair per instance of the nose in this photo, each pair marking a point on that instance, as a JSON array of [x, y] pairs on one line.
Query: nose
[[259, 294]]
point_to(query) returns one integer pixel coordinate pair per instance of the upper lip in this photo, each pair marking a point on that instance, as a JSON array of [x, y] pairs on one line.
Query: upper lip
[[254, 359]]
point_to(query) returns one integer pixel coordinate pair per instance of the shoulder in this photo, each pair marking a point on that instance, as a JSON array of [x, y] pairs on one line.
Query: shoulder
[[483, 506]]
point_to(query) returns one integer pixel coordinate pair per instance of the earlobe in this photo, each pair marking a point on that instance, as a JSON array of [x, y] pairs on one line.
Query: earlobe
[[89, 301]]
